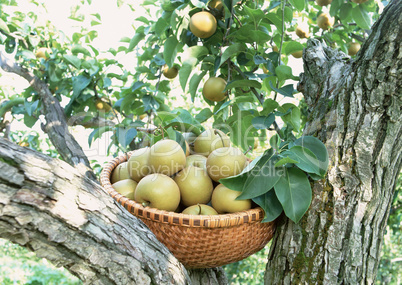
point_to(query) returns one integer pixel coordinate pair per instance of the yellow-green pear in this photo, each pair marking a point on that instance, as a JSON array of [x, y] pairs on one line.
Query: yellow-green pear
[[302, 31], [120, 173], [196, 160], [137, 164], [224, 200], [200, 209], [225, 162], [158, 191], [126, 187], [325, 21], [166, 157], [187, 149], [354, 47], [210, 140], [323, 2], [195, 186], [214, 89]]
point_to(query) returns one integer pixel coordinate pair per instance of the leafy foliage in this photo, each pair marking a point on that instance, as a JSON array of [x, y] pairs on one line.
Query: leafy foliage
[[252, 50], [248, 271], [19, 266]]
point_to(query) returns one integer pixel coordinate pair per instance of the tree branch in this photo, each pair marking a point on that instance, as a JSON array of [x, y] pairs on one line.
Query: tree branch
[[48, 207], [56, 123]]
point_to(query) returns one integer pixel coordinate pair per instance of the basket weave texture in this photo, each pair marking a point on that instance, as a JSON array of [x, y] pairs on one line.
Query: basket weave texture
[[199, 241]]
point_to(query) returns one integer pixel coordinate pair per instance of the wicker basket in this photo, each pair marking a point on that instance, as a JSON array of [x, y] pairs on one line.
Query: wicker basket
[[199, 241]]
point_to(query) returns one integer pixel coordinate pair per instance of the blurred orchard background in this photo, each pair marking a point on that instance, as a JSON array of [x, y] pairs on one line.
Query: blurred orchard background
[[109, 22]]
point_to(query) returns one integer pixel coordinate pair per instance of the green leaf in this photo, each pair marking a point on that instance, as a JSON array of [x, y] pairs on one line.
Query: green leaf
[[241, 130], [288, 14], [263, 122], [305, 159], [73, 60], [29, 121], [292, 47], [269, 106], [97, 133], [185, 122], [284, 72], [139, 35], [161, 26], [185, 71], [285, 160], [231, 51], [345, 11], [198, 4], [275, 142], [30, 107], [142, 19], [170, 50], [171, 133], [4, 27], [291, 115], [262, 178], [166, 116], [335, 7], [298, 4], [80, 82], [294, 193], [125, 136], [275, 20], [243, 83], [316, 147], [204, 115], [197, 52], [237, 182], [150, 103], [361, 17], [255, 14], [181, 140], [194, 83], [27, 55], [223, 106], [286, 90], [80, 49], [249, 34], [270, 204]]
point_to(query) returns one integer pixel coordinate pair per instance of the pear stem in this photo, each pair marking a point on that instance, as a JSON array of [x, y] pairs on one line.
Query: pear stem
[[217, 133], [248, 150]]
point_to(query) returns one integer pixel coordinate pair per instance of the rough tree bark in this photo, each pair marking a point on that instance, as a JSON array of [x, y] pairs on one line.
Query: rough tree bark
[[355, 109], [49, 207]]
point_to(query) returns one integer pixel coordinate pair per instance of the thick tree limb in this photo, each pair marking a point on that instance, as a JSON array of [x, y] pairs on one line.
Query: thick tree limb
[[93, 122], [356, 110], [56, 123], [49, 207]]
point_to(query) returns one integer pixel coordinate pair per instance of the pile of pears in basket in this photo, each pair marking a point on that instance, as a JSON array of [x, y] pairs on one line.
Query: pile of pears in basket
[[170, 177]]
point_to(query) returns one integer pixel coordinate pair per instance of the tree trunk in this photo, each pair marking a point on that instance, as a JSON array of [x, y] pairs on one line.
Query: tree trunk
[[355, 110], [49, 207]]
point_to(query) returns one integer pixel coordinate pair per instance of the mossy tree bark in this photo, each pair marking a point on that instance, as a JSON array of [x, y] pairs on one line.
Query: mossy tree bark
[[51, 208], [355, 109]]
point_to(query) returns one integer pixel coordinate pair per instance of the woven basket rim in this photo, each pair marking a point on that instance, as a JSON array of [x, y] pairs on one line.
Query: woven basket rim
[[204, 221]]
